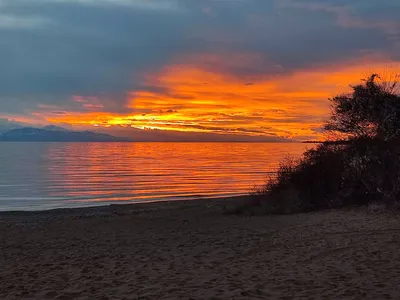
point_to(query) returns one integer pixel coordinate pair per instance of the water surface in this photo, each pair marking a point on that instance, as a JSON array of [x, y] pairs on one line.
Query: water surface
[[36, 176]]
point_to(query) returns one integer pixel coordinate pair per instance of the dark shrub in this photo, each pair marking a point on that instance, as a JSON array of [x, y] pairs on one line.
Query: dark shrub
[[335, 175], [309, 184], [373, 172]]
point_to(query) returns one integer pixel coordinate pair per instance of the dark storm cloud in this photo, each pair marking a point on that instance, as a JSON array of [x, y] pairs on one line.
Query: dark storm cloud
[[53, 49]]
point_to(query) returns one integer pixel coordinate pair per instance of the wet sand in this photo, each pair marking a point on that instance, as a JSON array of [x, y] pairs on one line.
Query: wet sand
[[192, 250]]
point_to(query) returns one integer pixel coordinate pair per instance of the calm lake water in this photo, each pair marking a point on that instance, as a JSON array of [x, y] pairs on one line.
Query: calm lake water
[[37, 176]]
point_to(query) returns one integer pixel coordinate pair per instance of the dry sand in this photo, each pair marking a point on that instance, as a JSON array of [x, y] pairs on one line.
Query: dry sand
[[190, 250]]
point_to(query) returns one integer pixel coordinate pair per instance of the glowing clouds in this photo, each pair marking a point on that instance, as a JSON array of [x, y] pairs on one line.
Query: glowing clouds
[[203, 97]]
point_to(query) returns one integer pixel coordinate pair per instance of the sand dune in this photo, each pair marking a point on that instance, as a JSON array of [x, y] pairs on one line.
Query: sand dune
[[190, 250]]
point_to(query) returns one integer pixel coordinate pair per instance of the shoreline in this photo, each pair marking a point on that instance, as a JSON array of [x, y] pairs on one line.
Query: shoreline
[[126, 206]]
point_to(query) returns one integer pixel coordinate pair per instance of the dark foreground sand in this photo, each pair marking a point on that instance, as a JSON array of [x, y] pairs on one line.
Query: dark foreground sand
[[190, 250]]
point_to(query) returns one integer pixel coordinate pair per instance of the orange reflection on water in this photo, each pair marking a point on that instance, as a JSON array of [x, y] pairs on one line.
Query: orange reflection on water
[[97, 172]]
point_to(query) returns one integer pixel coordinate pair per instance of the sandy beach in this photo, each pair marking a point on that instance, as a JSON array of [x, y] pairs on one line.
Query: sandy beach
[[192, 250]]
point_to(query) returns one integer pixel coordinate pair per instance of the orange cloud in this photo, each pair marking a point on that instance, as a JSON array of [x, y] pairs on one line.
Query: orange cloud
[[199, 98], [89, 103]]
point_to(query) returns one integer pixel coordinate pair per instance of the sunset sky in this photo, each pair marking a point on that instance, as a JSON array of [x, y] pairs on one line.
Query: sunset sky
[[257, 68]]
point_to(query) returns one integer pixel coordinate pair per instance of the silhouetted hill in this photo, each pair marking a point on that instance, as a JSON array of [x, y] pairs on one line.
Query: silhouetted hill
[[56, 134], [6, 125], [55, 128]]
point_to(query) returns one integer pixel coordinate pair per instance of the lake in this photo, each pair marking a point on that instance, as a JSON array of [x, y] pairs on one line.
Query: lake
[[39, 176]]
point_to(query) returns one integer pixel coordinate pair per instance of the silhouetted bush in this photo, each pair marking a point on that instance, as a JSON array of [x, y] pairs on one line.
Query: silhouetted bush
[[371, 110], [308, 184], [363, 168], [373, 172]]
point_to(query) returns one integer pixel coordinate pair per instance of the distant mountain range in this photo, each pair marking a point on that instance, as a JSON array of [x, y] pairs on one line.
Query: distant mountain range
[[11, 130], [6, 125], [53, 133]]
